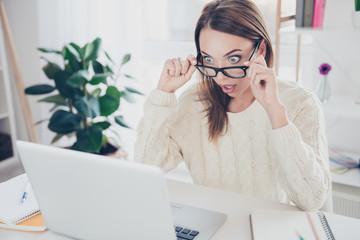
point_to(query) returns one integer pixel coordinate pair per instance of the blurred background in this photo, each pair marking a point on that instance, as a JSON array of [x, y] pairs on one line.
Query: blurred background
[[155, 30]]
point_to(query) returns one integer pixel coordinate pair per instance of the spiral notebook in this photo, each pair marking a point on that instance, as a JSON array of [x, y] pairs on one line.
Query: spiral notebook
[[274, 224], [13, 210]]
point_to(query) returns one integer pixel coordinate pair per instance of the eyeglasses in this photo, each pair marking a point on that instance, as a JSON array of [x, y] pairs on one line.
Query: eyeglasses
[[231, 72]]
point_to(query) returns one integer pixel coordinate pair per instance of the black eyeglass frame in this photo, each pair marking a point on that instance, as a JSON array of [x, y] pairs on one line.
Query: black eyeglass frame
[[223, 70]]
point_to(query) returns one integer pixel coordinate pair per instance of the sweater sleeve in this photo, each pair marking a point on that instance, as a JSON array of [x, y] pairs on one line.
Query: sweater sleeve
[[302, 152], [154, 145]]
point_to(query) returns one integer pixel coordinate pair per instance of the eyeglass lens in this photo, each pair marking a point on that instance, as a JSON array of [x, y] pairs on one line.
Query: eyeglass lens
[[232, 72]]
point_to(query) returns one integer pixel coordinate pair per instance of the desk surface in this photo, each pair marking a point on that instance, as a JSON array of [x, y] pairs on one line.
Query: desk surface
[[236, 206]]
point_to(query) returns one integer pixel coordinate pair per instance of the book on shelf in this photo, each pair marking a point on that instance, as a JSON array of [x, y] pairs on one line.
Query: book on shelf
[[309, 13], [341, 162], [299, 16], [18, 206], [319, 12]]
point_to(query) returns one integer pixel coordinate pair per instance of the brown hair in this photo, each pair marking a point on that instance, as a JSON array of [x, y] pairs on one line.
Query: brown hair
[[237, 17]]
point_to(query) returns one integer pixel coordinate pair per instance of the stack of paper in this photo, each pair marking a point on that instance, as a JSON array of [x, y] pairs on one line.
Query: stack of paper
[[16, 212]]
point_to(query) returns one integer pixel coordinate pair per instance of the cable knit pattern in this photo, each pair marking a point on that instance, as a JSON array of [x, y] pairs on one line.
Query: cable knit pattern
[[288, 165]]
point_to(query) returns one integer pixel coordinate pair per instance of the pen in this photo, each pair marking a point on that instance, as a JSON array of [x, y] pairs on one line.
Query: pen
[[299, 236], [26, 192]]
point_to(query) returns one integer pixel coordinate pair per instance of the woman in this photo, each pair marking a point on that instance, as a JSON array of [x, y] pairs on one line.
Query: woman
[[238, 129]]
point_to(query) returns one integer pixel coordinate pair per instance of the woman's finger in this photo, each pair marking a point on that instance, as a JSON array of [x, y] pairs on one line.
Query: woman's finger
[[192, 59], [255, 69], [169, 67], [190, 72], [185, 65], [177, 65], [260, 80], [260, 60]]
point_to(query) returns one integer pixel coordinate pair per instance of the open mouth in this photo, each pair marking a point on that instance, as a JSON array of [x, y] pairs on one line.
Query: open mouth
[[227, 88]]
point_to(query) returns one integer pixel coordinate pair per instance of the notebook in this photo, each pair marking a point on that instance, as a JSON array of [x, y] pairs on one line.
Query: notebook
[[16, 213], [275, 224], [88, 196]]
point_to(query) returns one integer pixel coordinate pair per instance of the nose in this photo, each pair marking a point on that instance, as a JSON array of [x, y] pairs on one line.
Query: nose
[[221, 76]]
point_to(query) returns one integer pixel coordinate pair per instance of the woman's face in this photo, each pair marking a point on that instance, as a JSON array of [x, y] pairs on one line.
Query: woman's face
[[220, 50]]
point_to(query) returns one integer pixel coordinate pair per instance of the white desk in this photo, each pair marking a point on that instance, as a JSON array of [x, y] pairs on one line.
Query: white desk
[[236, 206]]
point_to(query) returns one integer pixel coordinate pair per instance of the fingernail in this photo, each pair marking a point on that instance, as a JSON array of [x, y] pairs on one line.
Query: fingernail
[[246, 63], [193, 62]]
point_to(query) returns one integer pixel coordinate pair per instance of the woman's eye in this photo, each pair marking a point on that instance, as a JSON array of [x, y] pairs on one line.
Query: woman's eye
[[234, 59], [208, 60]]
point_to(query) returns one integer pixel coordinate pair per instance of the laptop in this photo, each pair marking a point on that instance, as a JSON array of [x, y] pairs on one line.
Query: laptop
[[89, 196]]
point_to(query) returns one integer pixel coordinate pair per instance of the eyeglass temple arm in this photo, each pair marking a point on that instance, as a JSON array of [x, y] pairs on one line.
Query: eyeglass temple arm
[[255, 51]]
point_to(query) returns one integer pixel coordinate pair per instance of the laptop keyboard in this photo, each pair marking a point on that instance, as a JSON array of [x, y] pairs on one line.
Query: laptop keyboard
[[185, 233]]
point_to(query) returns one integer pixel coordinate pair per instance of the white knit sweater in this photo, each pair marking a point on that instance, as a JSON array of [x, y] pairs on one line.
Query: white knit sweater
[[288, 165]]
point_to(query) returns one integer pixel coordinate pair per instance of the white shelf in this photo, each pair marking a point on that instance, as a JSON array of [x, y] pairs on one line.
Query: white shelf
[[343, 107], [309, 30], [351, 178], [3, 115]]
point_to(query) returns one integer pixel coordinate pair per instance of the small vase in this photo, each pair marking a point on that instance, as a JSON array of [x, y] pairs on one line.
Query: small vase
[[356, 19], [324, 91]]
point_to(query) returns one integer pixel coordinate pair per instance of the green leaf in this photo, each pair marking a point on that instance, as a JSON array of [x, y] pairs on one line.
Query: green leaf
[[110, 102], [126, 59], [120, 120], [78, 79], [108, 105], [108, 69], [129, 98], [96, 92], [73, 57], [113, 91], [108, 57], [65, 90], [103, 125], [91, 50], [54, 107], [76, 47], [57, 99], [41, 121], [98, 67], [89, 139], [99, 78], [63, 122], [128, 76], [49, 50], [89, 106], [56, 138], [132, 90], [50, 69], [39, 89]]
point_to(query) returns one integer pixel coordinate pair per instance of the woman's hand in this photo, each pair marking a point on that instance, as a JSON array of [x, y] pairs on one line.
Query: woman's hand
[[264, 87], [176, 73]]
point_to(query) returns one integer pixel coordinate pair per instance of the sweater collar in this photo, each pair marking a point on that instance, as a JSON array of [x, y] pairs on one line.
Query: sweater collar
[[246, 114]]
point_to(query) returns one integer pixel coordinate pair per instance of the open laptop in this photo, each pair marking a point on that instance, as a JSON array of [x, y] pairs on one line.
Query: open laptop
[[88, 196]]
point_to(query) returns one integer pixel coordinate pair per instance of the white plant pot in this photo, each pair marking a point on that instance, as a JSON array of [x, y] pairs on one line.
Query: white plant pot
[[356, 19]]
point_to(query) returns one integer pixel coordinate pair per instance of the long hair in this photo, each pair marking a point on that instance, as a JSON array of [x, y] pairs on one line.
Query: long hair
[[236, 17]]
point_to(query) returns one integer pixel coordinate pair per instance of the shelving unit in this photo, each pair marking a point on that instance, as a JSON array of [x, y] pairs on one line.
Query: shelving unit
[[7, 120], [342, 106], [346, 187]]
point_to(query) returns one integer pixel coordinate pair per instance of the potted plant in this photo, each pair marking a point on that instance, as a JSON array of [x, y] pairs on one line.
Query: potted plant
[[356, 14], [86, 94]]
